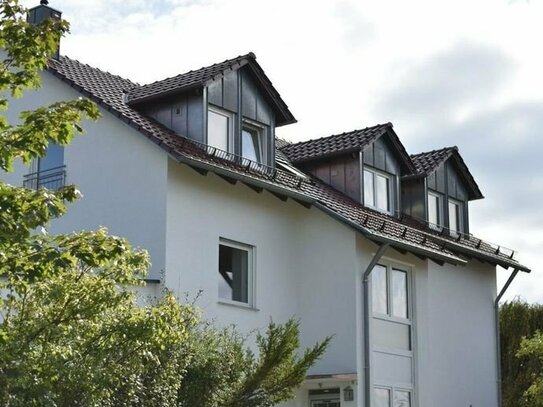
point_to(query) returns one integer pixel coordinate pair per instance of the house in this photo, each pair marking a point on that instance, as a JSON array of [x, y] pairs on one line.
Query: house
[[349, 233]]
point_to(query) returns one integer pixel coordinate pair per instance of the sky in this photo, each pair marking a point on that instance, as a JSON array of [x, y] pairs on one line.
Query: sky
[[465, 73]]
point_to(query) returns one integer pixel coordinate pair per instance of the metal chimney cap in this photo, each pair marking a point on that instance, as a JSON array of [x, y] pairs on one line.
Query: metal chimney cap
[[44, 2]]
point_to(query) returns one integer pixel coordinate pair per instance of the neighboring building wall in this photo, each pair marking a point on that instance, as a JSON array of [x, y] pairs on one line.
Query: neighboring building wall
[[121, 174]]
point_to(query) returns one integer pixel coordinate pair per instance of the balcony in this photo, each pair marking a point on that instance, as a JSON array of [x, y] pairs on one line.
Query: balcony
[[52, 178]]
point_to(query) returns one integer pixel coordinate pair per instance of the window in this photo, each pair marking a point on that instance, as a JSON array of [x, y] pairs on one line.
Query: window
[[251, 143], [382, 397], [390, 291], [378, 190], [455, 216], [48, 171], [235, 272], [219, 128], [435, 210], [391, 326]]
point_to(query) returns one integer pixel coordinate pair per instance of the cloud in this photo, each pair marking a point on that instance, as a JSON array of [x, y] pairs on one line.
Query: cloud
[[442, 85]]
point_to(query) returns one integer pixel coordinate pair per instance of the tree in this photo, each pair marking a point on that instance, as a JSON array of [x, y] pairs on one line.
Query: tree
[[519, 320], [532, 348], [71, 331]]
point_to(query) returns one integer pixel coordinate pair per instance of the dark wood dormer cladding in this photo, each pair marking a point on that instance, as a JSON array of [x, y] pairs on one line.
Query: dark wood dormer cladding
[[341, 172], [183, 113], [231, 106], [381, 164], [440, 191], [364, 164], [238, 97]]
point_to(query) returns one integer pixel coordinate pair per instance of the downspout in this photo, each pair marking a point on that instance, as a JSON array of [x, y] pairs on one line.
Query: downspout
[[497, 317], [367, 350]]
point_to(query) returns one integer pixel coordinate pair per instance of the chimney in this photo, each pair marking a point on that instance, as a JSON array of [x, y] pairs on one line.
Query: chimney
[[42, 12]]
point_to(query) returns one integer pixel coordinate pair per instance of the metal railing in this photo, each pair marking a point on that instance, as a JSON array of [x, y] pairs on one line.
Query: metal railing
[[52, 178], [246, 165]]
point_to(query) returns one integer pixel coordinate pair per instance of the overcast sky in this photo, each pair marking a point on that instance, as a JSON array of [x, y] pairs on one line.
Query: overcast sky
[[466, 73]]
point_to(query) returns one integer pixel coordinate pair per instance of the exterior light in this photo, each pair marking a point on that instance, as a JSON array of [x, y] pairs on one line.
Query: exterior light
[[348, 394]]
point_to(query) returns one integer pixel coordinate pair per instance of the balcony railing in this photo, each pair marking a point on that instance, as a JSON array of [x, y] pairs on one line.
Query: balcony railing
[[53, 179]]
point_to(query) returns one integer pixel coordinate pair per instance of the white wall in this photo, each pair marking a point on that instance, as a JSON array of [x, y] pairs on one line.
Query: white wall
[[305, 261], [460, 365], [121, 174]]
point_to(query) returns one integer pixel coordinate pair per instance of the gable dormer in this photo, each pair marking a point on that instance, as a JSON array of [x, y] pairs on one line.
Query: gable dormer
[[365, 165], [232, 107], [440, 191]]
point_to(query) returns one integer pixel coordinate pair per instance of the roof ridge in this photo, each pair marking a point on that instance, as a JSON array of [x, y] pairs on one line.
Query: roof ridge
[[435, 151], [388, 124], [226, 61]]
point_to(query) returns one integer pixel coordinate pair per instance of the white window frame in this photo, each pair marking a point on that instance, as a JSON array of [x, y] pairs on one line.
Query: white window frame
[[262, 137], [440, 223], [251, 267], [230, 129], [460, 218], [391, 195], [393, 389]]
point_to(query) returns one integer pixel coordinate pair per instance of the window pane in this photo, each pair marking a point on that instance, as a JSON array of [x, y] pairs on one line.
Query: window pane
[[379, 289], [399, 293], [381, 398], [391, 335], [454, 217], [368, 188], [217, 130], [382, 190], [433, 209], [54, 157], [234, 276], [402, 399], [250, 145]]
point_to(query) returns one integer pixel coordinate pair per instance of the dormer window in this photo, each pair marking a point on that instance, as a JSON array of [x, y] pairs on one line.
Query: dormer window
[[252, 143], [455, 216], [378, 190], [219, 128], [435, 210]]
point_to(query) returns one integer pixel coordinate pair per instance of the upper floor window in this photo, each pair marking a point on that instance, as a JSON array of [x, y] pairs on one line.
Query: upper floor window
[[435, 210], [378, 190], [48, 171], [219, 128], [455, 216], [252, 143], [391, 300], [235, 272]]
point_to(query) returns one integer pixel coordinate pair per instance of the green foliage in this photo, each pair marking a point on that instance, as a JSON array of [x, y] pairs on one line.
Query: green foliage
[[518, 320], [532, 349], [225, 373], [72, 331]]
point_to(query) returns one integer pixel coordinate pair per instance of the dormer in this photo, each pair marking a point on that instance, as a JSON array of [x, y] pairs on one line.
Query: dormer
[[440, 191], [231, 107], [365, 165]]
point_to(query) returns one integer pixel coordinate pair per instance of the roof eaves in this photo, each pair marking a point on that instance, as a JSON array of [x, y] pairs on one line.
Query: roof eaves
[[372, 235]]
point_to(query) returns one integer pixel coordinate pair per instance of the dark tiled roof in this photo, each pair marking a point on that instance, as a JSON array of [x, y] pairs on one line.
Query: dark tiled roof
[[187, 80], [427, 162], [108, 91], [201, 77], [339, 143]]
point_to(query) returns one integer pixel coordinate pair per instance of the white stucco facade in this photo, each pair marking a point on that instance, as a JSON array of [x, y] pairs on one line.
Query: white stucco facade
[[306, 265]]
